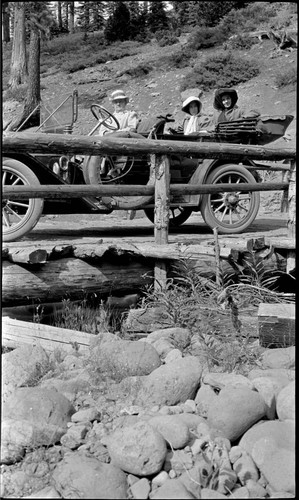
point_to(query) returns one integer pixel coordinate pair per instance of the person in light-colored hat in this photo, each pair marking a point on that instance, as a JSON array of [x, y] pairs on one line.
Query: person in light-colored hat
[[196, 122], [127, 119]]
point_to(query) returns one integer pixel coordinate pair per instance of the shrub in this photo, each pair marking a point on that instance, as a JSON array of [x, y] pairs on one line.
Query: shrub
[[181, 59], [220, 70], [248, 18], [203, 38], [166, 38], [288, 77], [241, 42]]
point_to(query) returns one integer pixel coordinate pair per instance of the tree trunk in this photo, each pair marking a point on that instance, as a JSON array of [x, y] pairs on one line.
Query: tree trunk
[[18, 69], [33, 98], [66, 22], [72, 17], [59, 16], [5, 22]]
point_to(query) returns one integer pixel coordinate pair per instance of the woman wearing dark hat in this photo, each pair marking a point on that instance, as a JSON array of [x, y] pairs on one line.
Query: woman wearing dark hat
[[195, 122], [226, 108]]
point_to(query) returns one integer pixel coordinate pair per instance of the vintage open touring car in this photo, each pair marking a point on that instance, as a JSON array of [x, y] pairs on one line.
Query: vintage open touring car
[[231, 212]]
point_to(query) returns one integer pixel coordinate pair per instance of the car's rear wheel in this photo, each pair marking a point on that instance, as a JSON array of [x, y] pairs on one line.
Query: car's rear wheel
[[231, 212], [177, 215], [19, 216]]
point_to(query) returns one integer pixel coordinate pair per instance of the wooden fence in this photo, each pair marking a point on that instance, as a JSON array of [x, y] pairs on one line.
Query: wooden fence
[[161, 149]]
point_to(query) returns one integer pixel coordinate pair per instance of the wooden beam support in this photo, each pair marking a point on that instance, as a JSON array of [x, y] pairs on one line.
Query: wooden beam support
[[292, 200], [276, 325], [162, 199]]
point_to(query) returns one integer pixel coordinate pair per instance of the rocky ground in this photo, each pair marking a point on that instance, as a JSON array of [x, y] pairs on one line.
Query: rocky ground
[[146, 419]]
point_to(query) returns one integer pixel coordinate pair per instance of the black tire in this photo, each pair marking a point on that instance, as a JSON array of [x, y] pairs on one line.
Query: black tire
[[19, 217], [230, 212], [177, 215], [91, 171]]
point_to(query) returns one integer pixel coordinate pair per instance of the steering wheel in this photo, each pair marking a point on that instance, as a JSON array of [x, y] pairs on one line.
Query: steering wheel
[[104, 117]]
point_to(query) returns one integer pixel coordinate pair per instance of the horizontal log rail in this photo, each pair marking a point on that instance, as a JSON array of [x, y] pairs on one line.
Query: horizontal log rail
[[80, 190], [20, 142]]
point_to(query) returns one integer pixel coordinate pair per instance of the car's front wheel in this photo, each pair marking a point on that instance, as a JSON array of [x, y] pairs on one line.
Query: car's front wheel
[[19, 216], [231, 212]]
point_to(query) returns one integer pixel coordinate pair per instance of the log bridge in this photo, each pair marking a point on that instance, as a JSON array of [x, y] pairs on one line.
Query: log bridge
[[46, 274]]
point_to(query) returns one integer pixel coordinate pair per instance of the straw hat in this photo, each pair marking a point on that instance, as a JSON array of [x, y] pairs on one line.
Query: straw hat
[[118, 94], [188, 101]]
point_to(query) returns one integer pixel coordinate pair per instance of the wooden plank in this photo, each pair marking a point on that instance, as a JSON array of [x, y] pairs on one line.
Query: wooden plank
[[276, 324], [291, 260], [162, 197], [27, 256], [16, 333]]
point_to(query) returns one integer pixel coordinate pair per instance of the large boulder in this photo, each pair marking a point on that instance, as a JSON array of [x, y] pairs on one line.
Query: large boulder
[[87, 477], [124, 358], [178, 337], [175, 431], [219, 380], [272, 447], [172, 383], [23, 366], [235, 410], [283, 357], [138, 449], [35, 417], [285, 405]]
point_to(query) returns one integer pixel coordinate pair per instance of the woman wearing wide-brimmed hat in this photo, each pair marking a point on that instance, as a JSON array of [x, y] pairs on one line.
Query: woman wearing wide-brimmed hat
[[226, 108], [195, 122], [127, 119]]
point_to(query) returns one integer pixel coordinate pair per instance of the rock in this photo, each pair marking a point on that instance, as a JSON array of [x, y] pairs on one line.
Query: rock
[[86, 415], [141, 489], [10, 452], [285, 406], [178, 461], [220, 380], [172, 488], [174, 431], [272, 447], [206, 493], [205, 396], [172, 383], [71, 383], [138, 449], [178, 337], [282, 375], [72, 362], [243, 465], [234, 411], [74, 436], [267, 388], [255, 489], [172, 355], [160, 479], [124, 358], [190, 479], [239, 492], [24, 366], [36, 417], [87, 477], [190, 419], [283, 357], [47, 492], [163, 347]]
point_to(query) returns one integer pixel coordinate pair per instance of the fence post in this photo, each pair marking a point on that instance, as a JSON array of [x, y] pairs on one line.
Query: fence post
[[292, 200], [162, 199]]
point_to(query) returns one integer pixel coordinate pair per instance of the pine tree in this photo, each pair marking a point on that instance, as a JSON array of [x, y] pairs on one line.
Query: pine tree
[[118, 25], [157, 18]]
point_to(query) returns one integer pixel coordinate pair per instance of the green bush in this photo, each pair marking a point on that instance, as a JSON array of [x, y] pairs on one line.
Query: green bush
[[286, 78], [220, 70], [204, 38]]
